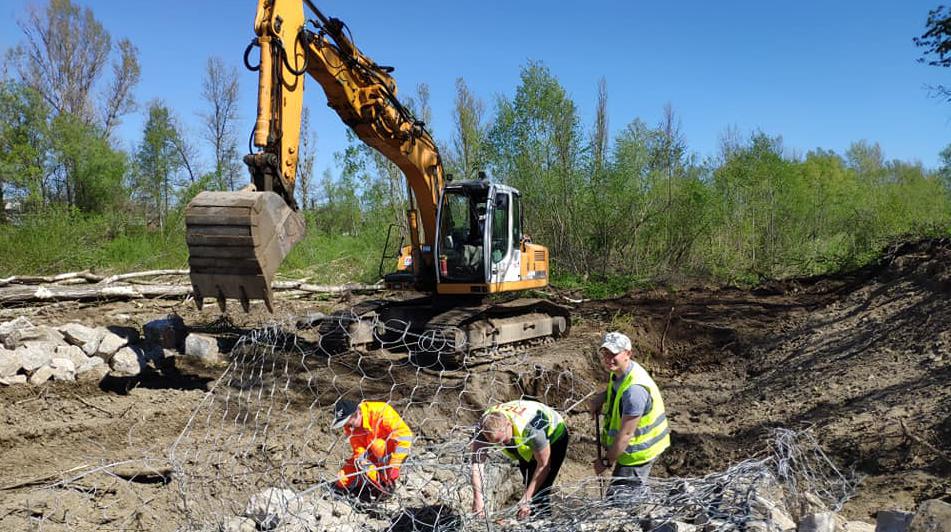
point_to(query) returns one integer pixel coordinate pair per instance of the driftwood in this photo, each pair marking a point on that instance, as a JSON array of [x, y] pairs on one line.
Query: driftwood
[[23, 289], [24, 294], [85, 275], [134, 275]]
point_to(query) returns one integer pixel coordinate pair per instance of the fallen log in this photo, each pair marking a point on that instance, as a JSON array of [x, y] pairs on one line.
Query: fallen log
[[85, 275], [121, 292], [28, 294], [134, 275]]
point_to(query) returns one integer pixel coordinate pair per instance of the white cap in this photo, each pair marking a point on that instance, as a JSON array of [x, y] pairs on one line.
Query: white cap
[[616, 342]]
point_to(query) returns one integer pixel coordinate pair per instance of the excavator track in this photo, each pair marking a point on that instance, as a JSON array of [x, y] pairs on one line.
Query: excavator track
[[423, 326]]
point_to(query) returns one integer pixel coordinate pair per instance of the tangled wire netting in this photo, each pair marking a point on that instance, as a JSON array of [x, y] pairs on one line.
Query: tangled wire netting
[[258, 453], [259, 448]]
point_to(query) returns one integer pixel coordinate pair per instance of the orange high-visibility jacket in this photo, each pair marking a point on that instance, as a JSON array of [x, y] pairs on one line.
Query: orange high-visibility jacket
[[385, 439]]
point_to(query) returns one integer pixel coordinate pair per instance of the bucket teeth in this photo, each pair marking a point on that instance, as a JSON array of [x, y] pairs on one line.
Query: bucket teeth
[[222, 301], [245, 303]]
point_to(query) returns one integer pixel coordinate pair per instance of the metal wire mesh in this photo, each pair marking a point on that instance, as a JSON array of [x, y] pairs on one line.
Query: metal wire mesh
[[258, 452]]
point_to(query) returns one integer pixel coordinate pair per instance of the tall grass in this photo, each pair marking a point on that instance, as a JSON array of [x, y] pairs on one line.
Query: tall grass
[[61, 240]]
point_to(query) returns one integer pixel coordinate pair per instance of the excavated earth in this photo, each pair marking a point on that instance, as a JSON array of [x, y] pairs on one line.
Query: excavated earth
[[862, 360]]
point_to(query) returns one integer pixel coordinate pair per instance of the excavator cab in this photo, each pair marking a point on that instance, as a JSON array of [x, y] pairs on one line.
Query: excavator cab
[[480, 245]]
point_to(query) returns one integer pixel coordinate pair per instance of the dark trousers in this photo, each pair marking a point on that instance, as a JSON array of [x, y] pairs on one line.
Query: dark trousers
[[541, 501]]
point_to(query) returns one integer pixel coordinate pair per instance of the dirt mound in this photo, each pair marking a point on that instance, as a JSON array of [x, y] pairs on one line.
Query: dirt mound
[[862, 359]]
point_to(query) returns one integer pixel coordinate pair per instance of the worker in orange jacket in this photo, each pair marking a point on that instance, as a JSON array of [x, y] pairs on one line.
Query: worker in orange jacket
[[381, 442]]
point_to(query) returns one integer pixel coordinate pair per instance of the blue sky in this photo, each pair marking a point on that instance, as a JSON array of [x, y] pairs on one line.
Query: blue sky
[[820, 74]]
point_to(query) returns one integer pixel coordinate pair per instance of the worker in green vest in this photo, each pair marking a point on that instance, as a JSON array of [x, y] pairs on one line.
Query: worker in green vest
[[530, 433], [634, 431]]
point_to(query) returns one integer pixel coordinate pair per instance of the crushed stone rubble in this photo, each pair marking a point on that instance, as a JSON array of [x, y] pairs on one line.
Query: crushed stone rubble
[[74, 352]]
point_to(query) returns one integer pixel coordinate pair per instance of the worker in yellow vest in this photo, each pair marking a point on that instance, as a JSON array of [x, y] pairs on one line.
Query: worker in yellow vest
[[530, 433], [635, 431]]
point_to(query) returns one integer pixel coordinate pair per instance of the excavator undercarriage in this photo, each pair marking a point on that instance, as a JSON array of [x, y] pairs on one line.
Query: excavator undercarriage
[[444, 328]]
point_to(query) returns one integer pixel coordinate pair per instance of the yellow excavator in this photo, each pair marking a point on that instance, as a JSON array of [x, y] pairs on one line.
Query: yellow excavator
[[466, 237]]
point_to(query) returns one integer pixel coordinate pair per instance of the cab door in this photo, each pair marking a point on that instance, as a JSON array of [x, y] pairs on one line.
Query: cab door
[[503, 253]]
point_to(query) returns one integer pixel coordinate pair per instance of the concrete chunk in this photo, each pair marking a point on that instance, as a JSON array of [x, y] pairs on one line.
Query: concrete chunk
[[71, 352], [10, 329], [38, 334], [932, 516], [85, 337], [94, 374], [110, 343]]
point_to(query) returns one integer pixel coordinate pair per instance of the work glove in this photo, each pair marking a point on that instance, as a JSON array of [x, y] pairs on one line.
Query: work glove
[[390, 476]]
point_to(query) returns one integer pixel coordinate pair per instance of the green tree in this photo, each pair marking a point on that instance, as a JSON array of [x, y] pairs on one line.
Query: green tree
[[157, 160], [64, 58], [936, 44], [467, 156], [538, 147], [95, 170], [23, 142]]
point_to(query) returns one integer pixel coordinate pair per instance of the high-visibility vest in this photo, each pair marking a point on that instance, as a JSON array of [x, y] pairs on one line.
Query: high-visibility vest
[[520, 414], [381, 422], [652, 435]]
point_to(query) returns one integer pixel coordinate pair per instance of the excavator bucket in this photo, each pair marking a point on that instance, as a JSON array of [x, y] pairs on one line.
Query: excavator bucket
[[236, 241]]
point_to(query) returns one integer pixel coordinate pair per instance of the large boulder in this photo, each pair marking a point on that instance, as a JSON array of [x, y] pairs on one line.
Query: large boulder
[[168, 332], [932, 516], [126, 363], [85, 337], [110, 343], [818, 522], [63, 369], [202, 347], [34, 356]]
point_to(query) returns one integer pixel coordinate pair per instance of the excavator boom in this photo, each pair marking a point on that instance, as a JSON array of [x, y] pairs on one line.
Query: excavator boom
[[237, 240]]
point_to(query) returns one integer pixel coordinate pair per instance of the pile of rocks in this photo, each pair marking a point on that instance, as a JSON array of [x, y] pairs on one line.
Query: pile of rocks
[[36, 354]]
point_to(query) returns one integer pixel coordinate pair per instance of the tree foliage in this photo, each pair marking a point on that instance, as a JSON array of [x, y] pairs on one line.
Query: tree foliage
[[64, 59]]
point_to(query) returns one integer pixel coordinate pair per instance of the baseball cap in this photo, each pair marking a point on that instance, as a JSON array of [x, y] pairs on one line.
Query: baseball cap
[[343, 409], [616, 342]]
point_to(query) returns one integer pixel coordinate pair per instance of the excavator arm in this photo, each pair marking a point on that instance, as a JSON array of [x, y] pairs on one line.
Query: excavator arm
[[237, 240]]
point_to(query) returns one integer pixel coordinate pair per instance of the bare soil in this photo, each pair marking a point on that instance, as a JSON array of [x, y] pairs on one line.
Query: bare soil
[[863, 360]]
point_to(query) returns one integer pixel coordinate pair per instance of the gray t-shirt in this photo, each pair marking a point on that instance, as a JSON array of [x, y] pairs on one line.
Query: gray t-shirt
[[635, 401], [535, 434]]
